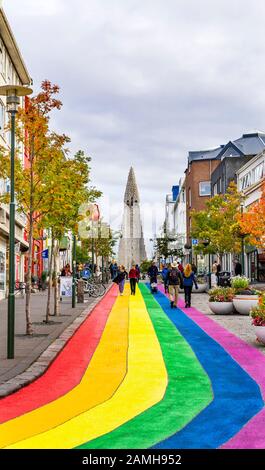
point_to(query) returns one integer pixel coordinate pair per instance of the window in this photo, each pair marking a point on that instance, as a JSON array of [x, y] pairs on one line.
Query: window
[[1, 60], [245, 182], [258, 173], [215, 189], [2, 118], [183, 195], [205, 188]]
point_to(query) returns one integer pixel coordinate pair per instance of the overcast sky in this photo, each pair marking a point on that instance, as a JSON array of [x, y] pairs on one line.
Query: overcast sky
[[145, 81]]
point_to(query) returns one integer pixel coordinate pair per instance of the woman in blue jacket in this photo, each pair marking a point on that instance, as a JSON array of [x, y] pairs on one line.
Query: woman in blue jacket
[[188, 281]]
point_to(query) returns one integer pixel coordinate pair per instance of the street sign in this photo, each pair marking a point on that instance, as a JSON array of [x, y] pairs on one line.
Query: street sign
[[66, 285], [194, 241]]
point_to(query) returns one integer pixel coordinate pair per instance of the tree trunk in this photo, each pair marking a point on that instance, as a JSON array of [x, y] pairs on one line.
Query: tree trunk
[[29, 329], [48, 307], [56, 289]]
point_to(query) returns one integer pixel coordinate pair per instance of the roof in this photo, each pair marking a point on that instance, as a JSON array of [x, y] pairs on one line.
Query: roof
[[131, 188], [250, 143], [13, 50], [208, 154]]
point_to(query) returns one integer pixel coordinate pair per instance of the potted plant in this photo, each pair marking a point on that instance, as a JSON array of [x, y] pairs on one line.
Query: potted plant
[[258, 319], [245, 297], [202, 284], [221, 300]]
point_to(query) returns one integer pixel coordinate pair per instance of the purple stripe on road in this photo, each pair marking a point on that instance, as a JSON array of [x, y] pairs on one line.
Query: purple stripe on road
[[252, 436]]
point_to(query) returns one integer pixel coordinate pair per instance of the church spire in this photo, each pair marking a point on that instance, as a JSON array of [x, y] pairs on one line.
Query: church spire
[[131, 195]]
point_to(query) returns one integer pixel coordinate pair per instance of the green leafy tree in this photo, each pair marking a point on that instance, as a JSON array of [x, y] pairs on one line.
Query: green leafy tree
[[145, 265], [68, 179], [217, 227]]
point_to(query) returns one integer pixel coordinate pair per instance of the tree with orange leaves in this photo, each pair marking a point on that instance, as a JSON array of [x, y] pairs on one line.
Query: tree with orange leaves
[[252, 222]]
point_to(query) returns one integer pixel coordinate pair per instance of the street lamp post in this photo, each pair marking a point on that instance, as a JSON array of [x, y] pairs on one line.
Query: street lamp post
[[74, 272], [13, 94]]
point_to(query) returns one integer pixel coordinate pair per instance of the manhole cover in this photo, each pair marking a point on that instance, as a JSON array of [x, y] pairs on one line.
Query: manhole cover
[[35, 335]]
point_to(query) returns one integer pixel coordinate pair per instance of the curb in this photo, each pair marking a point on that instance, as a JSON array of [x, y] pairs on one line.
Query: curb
[[39, 367]]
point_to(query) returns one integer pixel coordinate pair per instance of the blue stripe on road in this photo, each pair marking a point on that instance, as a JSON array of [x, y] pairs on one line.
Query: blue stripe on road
[[237, 397]]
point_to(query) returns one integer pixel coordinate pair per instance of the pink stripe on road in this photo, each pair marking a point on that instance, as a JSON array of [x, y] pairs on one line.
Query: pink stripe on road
[[252, 436]]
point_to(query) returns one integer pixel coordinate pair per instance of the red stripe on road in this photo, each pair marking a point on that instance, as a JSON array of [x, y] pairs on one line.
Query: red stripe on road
[[68, 368]]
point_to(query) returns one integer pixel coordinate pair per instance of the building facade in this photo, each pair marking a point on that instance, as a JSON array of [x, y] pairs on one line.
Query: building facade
[[201, 165], [12, 70], [250, 178], [232, 157]]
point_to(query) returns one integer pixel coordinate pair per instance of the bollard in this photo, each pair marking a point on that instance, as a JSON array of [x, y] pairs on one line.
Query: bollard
[[80, 291]]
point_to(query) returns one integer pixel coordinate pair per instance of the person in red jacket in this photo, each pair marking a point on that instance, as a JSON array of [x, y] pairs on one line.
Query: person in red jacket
[[133, 276]]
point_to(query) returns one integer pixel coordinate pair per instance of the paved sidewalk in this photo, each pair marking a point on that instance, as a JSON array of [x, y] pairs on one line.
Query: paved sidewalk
[[240, 325], [28, 349]]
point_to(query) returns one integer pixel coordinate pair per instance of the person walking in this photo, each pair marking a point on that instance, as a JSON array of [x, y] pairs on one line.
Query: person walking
[[120, 278], [164, 277], [180, 267], [153, 273], [238, 268], [133, 276], [174, 280], [138, 272], [188, 280], [194, 267]]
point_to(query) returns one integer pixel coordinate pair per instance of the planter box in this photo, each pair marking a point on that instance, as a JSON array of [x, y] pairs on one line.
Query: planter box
[[201, 288], [244, 303], [260, 333], [221, 308]]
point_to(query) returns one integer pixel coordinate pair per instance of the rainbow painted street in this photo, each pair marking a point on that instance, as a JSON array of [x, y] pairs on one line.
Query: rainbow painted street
[[137, 375]]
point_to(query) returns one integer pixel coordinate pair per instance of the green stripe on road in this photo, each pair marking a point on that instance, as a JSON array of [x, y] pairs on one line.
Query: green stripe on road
[[188, 393]]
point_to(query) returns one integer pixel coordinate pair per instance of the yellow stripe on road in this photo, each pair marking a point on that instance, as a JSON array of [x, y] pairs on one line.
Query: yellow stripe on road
[[144, 386], [103, 376]]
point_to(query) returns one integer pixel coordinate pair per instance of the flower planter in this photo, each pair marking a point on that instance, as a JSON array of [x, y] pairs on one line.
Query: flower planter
[[201, 288], [260, 333], [244, 303], [221, 308]]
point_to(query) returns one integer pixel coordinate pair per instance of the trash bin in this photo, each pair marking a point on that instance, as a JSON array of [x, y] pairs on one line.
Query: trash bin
[[224, 279]]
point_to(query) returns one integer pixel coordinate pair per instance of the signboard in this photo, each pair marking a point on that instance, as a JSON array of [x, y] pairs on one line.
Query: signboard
[[45, 254], [194, 241], [66, 286]]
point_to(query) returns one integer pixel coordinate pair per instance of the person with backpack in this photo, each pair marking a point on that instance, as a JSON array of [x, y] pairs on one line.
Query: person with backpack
[[153, 273], [174, 281], [164, 274], [188, 280]]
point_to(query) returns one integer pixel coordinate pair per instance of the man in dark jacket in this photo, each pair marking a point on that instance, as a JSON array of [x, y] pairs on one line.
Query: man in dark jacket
[[174, 281], [153, 273]]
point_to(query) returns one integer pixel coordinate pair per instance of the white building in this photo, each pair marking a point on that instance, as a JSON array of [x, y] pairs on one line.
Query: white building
[[249, 180], [12, 70], [179, 216]]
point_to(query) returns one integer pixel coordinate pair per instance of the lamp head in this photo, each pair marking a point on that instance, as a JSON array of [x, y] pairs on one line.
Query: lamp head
[[13, 94]]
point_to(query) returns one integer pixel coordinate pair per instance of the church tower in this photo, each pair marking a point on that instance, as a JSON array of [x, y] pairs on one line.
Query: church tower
[[132, 247]]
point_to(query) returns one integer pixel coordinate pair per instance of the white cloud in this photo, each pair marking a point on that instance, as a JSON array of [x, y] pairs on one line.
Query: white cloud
[[145, 82]]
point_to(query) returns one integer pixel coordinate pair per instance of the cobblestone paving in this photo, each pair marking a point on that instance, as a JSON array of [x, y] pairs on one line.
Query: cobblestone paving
[[240, 325]]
